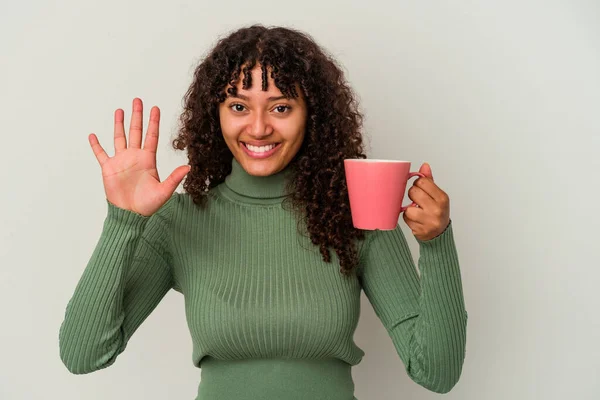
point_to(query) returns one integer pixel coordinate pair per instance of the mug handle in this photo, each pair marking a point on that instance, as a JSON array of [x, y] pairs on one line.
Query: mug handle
[[413, 204]]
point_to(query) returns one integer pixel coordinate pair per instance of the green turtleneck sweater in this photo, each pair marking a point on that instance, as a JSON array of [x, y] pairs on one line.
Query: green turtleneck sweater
[[269, 319]]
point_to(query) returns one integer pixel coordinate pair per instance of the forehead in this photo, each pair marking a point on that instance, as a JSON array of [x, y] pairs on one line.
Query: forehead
[[256, 83]]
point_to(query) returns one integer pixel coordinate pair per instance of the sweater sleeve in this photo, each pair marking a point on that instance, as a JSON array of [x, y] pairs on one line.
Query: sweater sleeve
[[128, 274], [425, 316]]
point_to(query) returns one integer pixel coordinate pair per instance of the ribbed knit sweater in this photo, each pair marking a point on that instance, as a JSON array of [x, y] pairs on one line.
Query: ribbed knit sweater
[[268, 318]]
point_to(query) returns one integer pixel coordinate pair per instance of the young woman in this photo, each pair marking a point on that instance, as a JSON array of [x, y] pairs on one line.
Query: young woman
[[261, 244]]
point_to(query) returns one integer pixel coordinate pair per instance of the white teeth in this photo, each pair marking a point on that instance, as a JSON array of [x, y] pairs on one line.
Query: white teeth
[[260, 149]]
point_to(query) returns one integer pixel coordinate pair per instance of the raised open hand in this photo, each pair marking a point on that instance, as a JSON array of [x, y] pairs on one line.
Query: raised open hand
[[130, 177]]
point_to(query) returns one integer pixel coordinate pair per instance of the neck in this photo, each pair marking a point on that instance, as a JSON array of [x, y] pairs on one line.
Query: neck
[[271, 188]]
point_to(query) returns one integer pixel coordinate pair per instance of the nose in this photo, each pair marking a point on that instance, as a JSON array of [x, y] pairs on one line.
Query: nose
[[259, 127]]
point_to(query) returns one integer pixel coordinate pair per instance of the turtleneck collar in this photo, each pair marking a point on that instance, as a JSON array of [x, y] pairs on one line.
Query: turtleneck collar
[[256, 189]]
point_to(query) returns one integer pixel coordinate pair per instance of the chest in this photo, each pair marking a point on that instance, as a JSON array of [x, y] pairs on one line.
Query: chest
[[252, 278]]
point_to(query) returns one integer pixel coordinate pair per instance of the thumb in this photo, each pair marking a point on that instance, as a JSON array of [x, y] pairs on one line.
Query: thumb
[[426, 170], [173, 180]]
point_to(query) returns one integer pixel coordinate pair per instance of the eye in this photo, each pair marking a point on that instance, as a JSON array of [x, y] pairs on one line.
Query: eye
[[282, 108], [237, 107]]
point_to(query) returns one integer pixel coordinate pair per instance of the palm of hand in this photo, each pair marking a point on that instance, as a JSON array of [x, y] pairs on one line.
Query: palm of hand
[[130, 177]]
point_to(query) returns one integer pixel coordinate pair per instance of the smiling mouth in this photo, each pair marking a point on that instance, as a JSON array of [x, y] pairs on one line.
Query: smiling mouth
[[261, 151], [275, 143], [268, 147]]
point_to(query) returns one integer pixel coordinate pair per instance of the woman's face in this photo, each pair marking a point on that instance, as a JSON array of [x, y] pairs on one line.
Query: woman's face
[[263, 129]]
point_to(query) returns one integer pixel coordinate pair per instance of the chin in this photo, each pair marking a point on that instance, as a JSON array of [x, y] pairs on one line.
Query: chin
[[265, 166]]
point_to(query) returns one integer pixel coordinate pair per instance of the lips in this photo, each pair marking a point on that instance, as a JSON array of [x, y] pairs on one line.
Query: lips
[[260, 144], [257, 155]]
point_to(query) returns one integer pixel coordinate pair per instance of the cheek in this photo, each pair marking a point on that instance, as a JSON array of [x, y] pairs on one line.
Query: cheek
[[231, 127], [299, 138], [293, 130]]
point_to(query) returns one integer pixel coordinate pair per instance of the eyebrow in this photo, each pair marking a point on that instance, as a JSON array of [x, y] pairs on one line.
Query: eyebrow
[[272, 98]]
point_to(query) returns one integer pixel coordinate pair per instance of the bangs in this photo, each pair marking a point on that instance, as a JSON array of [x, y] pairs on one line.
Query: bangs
[[283, 81]]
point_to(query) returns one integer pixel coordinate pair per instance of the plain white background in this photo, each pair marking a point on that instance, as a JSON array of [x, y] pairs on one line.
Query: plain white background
[[501, 98]]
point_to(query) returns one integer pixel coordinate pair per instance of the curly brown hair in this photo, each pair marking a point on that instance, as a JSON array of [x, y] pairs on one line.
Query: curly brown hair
[[333, 128]]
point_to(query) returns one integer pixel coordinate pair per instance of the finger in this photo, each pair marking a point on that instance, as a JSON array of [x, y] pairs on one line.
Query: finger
[[135, 126], [151, 141], [173, 180], [415, 226], [421, 198], [430, 188], [413, 215], [120, 139], [99, 152]]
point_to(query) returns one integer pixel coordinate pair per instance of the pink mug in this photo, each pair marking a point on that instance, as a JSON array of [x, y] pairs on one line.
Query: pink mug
[[376, 190]]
